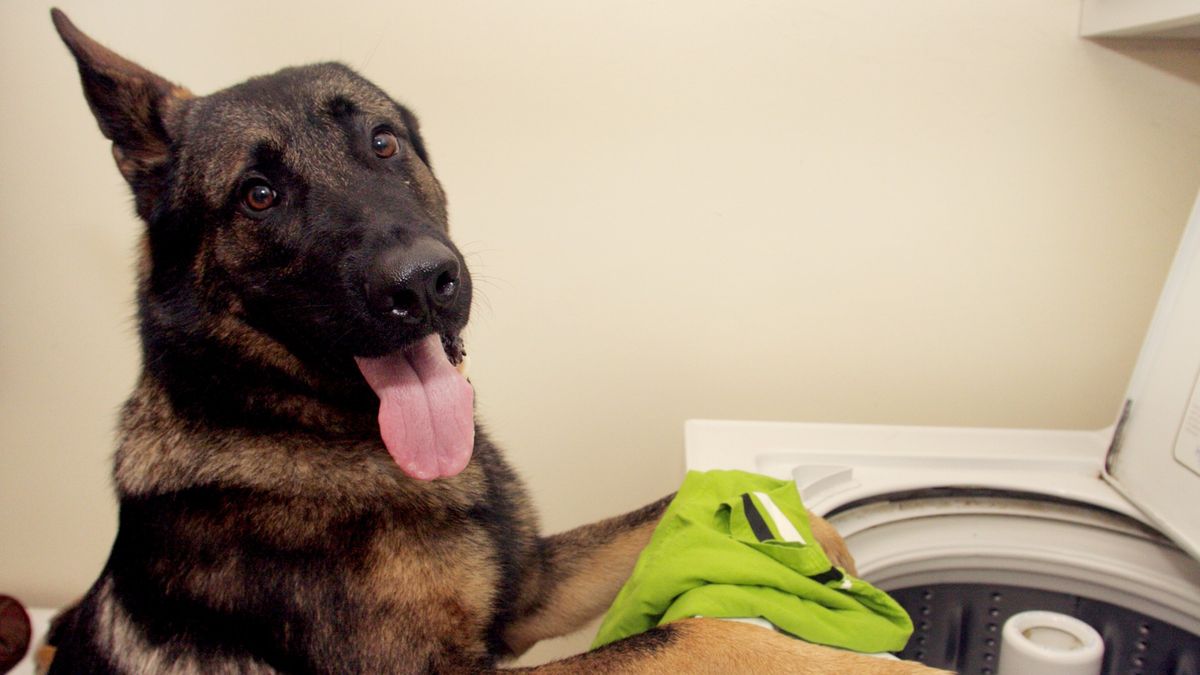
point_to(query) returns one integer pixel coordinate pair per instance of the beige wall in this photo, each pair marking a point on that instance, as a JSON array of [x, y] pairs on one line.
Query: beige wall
[[930, 212]]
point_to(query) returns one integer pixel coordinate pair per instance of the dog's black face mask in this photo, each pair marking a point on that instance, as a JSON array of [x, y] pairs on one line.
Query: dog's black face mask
[[296, 241], [313, 211]]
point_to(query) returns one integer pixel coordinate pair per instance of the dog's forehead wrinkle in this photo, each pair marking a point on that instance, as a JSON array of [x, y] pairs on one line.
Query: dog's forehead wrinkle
[[309, 153]]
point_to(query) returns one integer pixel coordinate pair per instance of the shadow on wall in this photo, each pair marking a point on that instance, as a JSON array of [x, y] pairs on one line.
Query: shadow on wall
[[1180, 58]]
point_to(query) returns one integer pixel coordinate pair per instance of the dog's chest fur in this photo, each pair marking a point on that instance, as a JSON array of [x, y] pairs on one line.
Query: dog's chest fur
[[217, 526]]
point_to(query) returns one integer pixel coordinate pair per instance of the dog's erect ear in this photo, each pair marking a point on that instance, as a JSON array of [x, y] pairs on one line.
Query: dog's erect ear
[[133, 105]]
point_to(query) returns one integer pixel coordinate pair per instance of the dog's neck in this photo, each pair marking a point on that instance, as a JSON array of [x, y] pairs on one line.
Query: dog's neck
[[223, 373], [160, 452]]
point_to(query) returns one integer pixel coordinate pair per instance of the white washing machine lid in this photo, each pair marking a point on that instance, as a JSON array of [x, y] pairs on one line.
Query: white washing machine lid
[[1147, 465], [1154, 459]]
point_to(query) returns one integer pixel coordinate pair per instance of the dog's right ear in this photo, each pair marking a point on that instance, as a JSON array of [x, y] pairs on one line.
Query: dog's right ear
[[135, 108]]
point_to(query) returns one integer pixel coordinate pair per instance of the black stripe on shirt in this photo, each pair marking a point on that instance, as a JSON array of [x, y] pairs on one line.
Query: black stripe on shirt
[[757, 524], [832, 574]]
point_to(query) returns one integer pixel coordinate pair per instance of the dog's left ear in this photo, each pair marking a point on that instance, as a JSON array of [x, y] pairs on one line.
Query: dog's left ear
[[135, 108]]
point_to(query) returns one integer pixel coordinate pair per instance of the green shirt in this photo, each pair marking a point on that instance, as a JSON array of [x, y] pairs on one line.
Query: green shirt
[[735, 545]]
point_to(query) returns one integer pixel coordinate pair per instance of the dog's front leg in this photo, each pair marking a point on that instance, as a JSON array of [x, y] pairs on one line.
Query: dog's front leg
[[832, 543], [577, 574]]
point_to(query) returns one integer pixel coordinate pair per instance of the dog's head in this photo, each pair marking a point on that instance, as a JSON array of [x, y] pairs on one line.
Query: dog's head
[[294, 231]]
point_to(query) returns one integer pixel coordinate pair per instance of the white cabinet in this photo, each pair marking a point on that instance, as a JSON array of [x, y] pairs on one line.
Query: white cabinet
[[1140, 18]]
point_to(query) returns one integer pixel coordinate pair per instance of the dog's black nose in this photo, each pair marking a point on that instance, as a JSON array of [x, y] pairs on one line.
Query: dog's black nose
[[409, 282]]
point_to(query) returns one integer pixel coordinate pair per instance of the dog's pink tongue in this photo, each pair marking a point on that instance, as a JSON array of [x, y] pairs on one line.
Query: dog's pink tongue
[[426, 414]]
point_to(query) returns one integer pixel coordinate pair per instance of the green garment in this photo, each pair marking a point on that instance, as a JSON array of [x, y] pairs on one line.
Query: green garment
[[736, 544]]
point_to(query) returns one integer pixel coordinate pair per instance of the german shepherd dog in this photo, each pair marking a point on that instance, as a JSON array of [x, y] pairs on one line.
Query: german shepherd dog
[[303, 487]]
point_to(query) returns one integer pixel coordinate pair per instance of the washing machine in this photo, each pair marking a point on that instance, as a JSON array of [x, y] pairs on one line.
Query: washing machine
[[968, 527]]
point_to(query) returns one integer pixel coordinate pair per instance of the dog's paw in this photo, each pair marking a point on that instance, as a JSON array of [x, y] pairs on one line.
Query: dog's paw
[[832, 543]]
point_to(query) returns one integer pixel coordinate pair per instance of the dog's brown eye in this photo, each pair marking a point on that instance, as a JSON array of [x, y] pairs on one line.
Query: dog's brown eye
[[385, 144], [259, 197]]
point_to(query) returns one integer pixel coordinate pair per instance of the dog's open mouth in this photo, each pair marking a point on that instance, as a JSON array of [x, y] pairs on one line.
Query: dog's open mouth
[[426, 406]]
